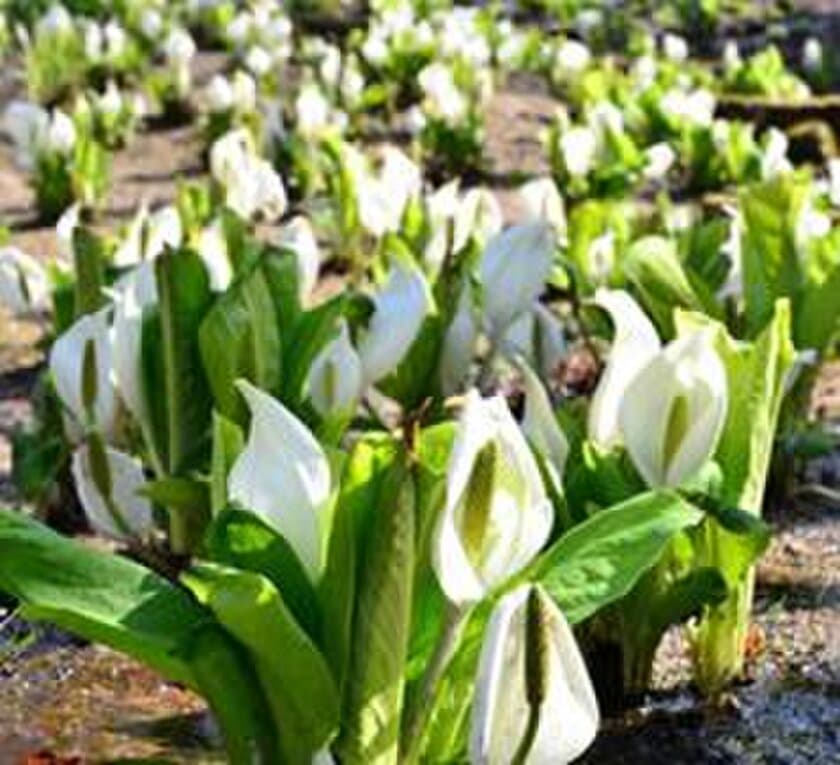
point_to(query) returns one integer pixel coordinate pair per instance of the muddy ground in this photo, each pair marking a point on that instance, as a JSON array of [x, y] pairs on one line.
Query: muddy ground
[[84, 701]]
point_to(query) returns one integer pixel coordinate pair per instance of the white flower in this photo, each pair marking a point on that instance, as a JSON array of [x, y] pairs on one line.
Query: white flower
[[660, 158], [251, 185], [133, 293], [731, 56], [283, 477], [61, 133], [458, 346], [179, 47], [673, 410], [635, 343], [675, 48], [219, 94], [774, 160], [571, 58], [151, 23], [695, 108], [244, 92], [24, 286], [110, 103], [812, 55], [497, 515], [444, 98], [542, 201], [400, 308], [258, 61], [298, 236], [539, 423], [567, 708], [514, 268], [57, 20], [93, 40], [578, 146], [88, 335], [107, 482], [537, 337], [148, 235], [65, 228], [26, 124], [116, 40], [312, 111], [478, 216], [335, 379], [213, 251]]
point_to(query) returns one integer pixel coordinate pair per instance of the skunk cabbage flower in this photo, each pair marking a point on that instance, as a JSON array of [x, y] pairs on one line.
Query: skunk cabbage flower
[[283, 477], [87, 341], [673, 411], [812, 55], [250, 183], [149, 234], [212, 248], [400, 308], [458, 346], [634, 344], [107, 482], [131, 295], [335, 380], [542, 201], [675, 48], [579, 146], [497, 515], [539, 424], [514, 268], [24, 287], [534, 698], [297, 235]]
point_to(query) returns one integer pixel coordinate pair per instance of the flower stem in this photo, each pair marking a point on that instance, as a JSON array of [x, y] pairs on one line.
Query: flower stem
[[421, 708]]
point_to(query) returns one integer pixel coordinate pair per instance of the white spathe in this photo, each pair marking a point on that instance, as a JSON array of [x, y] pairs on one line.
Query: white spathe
[[400, 307], [283, 477], [513, 270], [67, 363], [568, 715], [335, 379], [24, 286], [539, 424], [497, 515], [134, 292], [298, 236], [635, 342], [126, 477], [673, 411], [459, 345]]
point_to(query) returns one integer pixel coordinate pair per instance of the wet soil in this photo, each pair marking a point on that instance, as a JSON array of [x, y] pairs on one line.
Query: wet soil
[[76, 700]]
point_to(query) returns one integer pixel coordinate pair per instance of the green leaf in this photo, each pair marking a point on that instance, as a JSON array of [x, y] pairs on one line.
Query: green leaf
[[112, 600], [311, 331], [101, 597], [241, 540], [185, 298], [228, 443], [600, 560], [655, 270], [356, 505], [381, 627], [769, 250], [294, 676], [240, 338]]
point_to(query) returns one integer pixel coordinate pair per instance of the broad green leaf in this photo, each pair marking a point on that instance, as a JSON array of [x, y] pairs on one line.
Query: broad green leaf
[[817, 316], [600, 560], [185, 298], [309, 334], [355, 508], [240, 338], [653, 267], [101, 597], [769, 250], [294, 675], [381, 627], [241, 540]]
